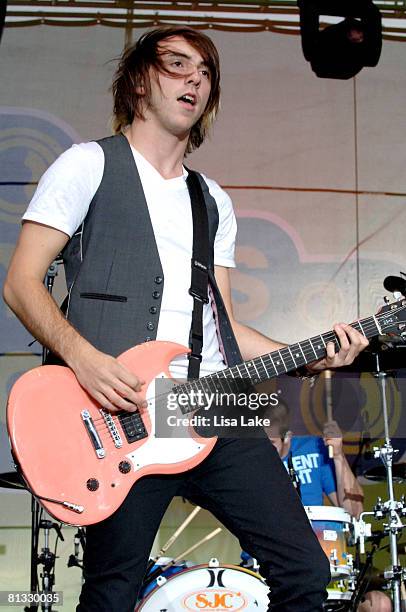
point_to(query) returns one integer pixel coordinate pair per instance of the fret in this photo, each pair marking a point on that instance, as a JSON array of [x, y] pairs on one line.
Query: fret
[[277, 362], [273, 364], [226, 379], [378, 327], [370, 326], [287, 359], [319, 348], [239, 373], [291, 354], [259, 377], [361, 329], [283, 361], [266, 369], [261, 369], [237, 383], [305, 360], [220, 380], [312, 349], [298, 354], [252, 371]]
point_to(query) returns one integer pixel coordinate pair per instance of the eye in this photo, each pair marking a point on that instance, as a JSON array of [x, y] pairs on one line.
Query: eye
[[206, 73]]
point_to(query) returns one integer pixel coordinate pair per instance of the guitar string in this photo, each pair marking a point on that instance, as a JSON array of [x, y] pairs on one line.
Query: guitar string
[[266, 360], [365, 325]]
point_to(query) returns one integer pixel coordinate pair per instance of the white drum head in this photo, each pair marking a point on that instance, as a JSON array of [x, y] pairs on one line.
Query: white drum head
[[224, 589], [327, 513]]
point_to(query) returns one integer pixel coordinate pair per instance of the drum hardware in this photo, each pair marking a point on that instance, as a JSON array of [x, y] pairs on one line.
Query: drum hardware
[[378, 473], [78, 540], [12, 480], [46, 557], [391, 509]]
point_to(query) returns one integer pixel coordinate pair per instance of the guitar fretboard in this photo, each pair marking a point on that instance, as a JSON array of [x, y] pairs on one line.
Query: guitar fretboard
[[238, 378]]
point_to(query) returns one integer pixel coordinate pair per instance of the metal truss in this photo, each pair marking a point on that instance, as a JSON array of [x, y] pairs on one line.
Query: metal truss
[[227, 15]]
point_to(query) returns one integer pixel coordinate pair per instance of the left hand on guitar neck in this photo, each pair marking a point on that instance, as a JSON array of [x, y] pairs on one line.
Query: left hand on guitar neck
[[352, 342]]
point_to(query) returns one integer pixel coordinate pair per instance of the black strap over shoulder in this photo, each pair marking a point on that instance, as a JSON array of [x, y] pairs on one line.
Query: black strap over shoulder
[[199, 264]]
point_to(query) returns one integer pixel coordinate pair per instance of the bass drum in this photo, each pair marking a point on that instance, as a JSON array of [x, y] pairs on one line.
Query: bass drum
[[225, 588]]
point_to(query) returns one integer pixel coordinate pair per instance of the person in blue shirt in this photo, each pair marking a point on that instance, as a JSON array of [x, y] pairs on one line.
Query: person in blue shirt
[[317, 474]]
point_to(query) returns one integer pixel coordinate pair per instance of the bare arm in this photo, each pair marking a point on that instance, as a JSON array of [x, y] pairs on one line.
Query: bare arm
[[112, 385], [252, 343], [349, 492]]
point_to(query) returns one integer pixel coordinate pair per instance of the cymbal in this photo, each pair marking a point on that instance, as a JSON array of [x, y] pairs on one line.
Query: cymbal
[[11, 480], [379, 473]]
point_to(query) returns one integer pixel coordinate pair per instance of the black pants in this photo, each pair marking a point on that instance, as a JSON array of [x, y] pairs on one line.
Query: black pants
[[245, 485]]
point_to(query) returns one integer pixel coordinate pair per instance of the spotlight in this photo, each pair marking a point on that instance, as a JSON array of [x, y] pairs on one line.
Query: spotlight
[[341, 50], [3, 10]]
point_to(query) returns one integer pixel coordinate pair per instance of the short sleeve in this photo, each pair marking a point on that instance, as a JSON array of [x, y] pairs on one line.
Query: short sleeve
[[66, 189], [224, 243]]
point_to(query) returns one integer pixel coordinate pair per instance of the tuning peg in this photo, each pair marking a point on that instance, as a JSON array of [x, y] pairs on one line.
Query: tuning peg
[[386, 299]]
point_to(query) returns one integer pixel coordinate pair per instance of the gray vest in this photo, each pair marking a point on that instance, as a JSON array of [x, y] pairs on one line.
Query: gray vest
[[113, 271]]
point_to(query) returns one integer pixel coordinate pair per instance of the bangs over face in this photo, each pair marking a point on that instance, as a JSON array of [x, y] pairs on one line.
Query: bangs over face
[[132, 87]]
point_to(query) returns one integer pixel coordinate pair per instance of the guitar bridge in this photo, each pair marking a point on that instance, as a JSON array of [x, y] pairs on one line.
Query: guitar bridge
[[111, 426]]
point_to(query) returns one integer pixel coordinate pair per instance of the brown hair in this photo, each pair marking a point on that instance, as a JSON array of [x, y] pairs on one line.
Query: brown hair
[[133, 73]]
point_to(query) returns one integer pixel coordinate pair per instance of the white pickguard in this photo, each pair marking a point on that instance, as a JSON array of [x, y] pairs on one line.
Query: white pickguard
[[162, 451]]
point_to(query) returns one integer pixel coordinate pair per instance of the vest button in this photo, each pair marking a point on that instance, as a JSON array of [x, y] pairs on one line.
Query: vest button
[[153, 310], [156, 295], [158, 280], [148, 339], [150, 326]]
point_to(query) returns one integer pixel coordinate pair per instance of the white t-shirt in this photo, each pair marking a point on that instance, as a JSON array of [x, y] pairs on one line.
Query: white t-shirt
[[62, 200]]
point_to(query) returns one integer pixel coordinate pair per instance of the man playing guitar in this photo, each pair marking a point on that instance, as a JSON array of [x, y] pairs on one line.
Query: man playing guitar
[[123, 202]]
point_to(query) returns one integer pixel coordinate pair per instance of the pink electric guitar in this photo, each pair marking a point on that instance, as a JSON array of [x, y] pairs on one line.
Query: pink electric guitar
[[80, 461]]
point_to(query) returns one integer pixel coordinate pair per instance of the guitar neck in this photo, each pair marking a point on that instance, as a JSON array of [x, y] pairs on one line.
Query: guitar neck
[[277, 362]]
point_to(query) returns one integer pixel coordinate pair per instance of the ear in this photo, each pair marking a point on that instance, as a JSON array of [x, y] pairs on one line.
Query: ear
[[140, 90]]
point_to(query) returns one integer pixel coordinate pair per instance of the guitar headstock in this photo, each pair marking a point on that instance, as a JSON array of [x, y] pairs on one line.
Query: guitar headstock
[[392, 318]]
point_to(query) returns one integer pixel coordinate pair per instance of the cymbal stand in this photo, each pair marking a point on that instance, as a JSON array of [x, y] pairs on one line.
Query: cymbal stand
[[78, 540], [391, 508], [47, 558]]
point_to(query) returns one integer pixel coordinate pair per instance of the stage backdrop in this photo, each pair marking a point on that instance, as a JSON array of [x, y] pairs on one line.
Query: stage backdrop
[[315, 169]]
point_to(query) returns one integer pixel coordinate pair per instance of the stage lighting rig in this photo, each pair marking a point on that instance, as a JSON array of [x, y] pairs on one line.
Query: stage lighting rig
[[341, 50]]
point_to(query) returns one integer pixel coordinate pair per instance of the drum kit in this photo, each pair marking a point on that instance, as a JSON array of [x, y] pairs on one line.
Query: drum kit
[[176, 585]]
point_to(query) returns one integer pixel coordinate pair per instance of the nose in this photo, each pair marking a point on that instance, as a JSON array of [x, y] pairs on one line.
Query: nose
[[194, 76]]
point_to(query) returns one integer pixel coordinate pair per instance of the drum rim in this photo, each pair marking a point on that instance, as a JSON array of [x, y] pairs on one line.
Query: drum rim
[[328, 513], [201, 566]]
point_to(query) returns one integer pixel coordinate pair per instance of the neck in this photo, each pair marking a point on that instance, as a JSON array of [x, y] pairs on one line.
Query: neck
[[163, 150]]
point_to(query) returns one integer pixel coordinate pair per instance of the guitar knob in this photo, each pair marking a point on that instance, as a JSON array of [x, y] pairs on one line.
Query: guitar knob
[[92, 484], [124, 467]]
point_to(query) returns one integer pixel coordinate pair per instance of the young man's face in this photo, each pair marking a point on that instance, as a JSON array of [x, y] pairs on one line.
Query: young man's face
[[179, 100]]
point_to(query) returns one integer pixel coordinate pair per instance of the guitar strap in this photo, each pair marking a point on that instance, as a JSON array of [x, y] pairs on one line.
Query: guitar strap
[[199, 265]]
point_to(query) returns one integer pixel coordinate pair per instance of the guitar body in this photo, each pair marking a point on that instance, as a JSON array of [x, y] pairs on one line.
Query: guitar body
[[55, 451]]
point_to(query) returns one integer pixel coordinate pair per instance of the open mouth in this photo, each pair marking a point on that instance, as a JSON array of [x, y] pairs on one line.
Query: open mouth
[[188, 99]]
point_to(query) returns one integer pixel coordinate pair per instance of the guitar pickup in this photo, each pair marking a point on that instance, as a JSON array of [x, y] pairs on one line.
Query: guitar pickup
[[93, 435], [133, 426]]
